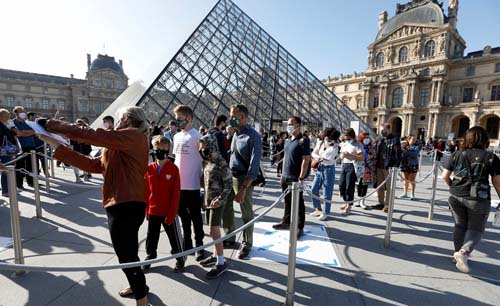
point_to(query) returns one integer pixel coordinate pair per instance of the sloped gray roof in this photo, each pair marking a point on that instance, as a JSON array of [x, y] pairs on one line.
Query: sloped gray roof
[[429, 13]]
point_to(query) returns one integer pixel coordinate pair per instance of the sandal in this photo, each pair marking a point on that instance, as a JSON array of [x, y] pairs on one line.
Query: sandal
[[346, 211], [128, 293], [343, 207]]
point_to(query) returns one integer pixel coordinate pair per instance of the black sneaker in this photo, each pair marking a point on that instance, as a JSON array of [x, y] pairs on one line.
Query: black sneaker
[[200, 255], [179, 265], [209, 261], [147, 267], [229, 243], [217, 271]]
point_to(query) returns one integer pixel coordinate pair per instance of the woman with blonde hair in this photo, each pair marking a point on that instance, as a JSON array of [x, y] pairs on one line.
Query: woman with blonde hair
[[123, 165]]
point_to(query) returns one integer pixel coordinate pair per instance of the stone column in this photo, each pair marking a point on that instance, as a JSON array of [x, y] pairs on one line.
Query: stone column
[[438, 92], [410, 124], [473, 121], [414, 93], [366, 97], [429, 125], [434, 127], [382, 96]]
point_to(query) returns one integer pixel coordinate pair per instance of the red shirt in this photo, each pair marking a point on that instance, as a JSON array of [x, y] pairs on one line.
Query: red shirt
[[163, 191]]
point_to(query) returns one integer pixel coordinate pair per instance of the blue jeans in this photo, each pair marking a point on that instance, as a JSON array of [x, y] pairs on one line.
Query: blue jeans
[[324, 177], [5, 159]]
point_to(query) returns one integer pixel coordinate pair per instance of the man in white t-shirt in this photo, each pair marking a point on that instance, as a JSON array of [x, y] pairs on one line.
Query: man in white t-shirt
[[189, 162]]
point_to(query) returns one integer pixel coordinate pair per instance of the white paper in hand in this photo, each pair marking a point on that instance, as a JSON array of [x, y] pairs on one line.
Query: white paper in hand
[[40, 130]]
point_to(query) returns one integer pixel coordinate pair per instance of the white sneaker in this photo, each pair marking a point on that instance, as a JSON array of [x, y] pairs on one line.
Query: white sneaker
[[323, 217], [316, 213], [461, 264]]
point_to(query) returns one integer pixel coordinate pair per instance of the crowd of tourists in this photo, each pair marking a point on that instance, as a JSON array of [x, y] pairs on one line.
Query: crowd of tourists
[[168, 175]]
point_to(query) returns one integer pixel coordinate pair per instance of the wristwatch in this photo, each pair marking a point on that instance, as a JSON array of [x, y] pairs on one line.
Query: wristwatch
[[301, 178]]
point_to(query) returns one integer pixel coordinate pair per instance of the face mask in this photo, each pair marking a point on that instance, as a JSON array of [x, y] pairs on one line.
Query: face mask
[[182, 123], [367, 141], [349, 141], [172, 128], [160, 154], [330, 142], [106, 125], [22, 115], [234, 123], [205, 154], [290, 129]]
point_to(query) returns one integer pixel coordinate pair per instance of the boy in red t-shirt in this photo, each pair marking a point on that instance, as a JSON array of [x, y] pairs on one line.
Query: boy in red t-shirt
[[163, 188]]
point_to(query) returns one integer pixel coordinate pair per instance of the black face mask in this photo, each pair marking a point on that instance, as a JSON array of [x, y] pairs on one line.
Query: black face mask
[[160, 154], [205, 154], [181, 124]]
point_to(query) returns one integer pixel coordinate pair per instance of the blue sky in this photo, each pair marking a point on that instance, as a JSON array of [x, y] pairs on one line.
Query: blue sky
[[328, 36]]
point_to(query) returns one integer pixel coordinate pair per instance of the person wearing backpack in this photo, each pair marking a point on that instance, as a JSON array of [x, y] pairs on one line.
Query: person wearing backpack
[[295, 168], [470, 194], [388, 156]]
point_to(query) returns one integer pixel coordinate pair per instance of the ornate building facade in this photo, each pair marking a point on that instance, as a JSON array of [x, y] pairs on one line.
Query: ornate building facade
[[105, 80], [419, 80]]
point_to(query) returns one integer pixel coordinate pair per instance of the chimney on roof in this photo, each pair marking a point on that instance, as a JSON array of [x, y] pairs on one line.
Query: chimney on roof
[[382, 19], [71, 75], [453, 13], [121, 63], [88, 62]]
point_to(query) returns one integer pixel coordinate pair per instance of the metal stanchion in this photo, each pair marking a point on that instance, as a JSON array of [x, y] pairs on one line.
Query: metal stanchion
[[36, 185], [46, 166], [46, 161], [52, 164], [392, 195], [434, 185], [14, 218], [292, 250], [420, 164]]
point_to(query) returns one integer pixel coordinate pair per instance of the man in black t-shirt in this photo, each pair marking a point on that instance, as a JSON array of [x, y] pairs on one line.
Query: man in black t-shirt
[[295, 167]]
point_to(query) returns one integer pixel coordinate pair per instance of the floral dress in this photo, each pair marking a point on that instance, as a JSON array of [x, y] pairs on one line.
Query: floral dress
[[370, 163]]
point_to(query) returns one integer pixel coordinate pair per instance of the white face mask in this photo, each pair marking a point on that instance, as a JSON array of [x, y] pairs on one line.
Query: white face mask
[[290, 129], [106, 125], [349, 141], [367, 141], [22, 115]]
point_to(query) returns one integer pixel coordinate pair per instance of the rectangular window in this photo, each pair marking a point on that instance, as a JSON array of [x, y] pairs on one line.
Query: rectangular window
[[424, 96], [83, 92], [84, 105], [360, 86], [346, 87], [468, 94], [375, 101], [28, 102], [497, 67], [495, 93], [10, 101], [45, 103], [61, 104], [470, 71]]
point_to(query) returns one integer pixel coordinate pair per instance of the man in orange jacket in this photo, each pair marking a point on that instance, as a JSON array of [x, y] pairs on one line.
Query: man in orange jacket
[[162, 202]]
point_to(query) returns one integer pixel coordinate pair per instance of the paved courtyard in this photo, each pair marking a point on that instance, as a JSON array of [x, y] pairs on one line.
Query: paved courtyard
[[416, 270]]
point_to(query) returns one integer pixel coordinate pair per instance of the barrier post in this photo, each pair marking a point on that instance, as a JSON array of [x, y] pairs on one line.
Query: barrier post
[[392, 195], [36, 184], [420, 164], [434, 185], [46, 165], [292, 250], [14, 218], [52, 161]]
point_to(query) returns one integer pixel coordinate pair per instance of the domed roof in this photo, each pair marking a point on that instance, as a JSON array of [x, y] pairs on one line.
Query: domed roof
[[105, 62], [419, 12]]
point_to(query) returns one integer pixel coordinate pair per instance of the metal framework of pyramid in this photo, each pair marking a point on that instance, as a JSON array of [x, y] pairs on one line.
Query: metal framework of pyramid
[[229, 59]]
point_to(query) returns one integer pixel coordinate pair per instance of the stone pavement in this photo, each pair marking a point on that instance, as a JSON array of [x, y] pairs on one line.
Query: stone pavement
[[416, 270]]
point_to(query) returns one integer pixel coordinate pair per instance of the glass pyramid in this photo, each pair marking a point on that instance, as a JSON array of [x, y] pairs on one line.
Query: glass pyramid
[[229, 59]]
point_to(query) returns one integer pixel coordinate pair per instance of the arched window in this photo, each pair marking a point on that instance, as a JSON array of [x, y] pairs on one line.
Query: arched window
[[403, 54], [429, 48], [463, 126], [492, 127], [380, 59], [397, 97]]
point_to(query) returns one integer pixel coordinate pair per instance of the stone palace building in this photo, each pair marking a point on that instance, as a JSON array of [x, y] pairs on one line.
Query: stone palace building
[[419, 78], [42, 94]]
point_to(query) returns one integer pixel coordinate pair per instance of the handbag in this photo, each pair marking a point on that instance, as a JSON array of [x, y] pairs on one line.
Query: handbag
[[362, 188], [315, 162], [8, 149]]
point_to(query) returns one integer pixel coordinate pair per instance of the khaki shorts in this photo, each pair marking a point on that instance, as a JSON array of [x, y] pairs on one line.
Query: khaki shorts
[[214, 216]]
